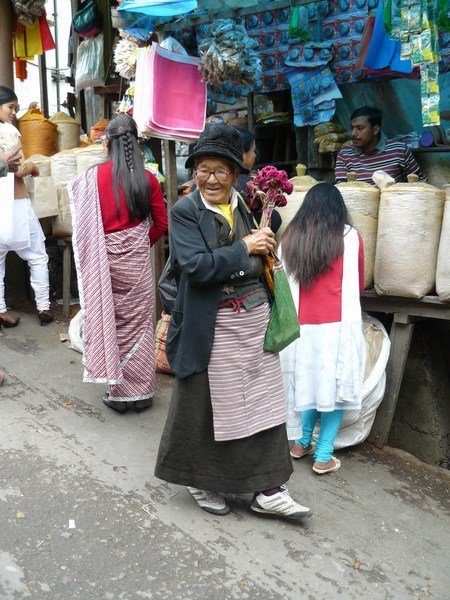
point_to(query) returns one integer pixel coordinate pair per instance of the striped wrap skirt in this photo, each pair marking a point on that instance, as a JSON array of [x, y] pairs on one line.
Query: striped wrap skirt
[[246, 383]]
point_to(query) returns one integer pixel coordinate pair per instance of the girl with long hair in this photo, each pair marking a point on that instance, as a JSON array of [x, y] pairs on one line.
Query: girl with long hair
[[323, 370], [118, 213]]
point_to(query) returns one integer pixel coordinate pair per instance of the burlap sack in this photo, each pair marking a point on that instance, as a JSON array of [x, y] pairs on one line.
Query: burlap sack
[[409, 227], [363, 201], [68, 133], [64, 168], [443, 260], [62, 224]]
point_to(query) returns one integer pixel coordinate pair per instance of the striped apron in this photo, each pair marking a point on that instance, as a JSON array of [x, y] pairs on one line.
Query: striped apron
[[245, 382]]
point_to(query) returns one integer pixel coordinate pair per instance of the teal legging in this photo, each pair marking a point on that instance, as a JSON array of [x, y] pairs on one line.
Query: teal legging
[[329, 426]]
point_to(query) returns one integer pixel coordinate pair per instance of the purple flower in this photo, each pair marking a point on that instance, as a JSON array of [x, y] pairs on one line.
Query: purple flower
[[267, 190]]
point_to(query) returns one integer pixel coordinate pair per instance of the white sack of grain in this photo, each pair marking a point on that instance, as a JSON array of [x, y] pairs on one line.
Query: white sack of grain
[[443, 261], [90, 157], [362, 201], [301, 187], [64, 168], [409, 226], [62, 224]]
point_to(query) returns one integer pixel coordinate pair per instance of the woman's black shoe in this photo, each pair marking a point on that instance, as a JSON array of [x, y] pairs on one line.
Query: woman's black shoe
[[120, 407], [140, 405]]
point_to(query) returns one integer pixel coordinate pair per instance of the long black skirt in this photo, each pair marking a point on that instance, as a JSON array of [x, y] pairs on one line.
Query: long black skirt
[[189, 455]]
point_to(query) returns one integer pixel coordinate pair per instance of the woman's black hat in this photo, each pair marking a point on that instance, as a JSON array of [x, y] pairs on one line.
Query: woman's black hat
[[220, 141]]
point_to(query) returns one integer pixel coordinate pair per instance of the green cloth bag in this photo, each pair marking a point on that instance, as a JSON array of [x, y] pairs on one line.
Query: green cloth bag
[[283, 326]]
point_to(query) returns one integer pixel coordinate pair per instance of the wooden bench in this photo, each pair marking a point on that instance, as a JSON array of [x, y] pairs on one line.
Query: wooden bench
[[405, 311]]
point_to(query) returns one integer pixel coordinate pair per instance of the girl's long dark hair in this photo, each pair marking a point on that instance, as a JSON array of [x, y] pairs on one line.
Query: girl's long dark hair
[[315, 236], [128, 167]]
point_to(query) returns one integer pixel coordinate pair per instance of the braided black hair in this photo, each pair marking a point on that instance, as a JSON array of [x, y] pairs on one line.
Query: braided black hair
[[128, 147], [128, 167]]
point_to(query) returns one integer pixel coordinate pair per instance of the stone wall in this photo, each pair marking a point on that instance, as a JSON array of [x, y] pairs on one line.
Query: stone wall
[[422, 419]]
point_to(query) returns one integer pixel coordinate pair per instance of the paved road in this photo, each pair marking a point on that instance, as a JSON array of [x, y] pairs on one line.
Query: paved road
[[82, 516]]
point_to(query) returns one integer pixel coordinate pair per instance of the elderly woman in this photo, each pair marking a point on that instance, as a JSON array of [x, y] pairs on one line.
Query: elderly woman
[[225, 430]]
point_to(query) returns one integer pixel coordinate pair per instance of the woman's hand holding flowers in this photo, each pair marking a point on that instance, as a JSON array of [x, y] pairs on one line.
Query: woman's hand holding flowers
[[260, 241]]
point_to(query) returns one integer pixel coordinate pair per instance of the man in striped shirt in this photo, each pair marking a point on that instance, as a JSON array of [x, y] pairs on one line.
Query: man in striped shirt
[[372, 151]]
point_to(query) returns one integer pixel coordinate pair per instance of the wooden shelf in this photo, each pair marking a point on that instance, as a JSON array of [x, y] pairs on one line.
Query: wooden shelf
[[280, 124], [430, 149], [276, 164]]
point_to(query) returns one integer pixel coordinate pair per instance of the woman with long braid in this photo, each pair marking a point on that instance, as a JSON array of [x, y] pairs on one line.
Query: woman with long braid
[[112, 206]]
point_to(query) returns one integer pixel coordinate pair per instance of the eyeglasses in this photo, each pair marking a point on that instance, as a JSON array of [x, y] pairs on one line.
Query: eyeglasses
[[220, 174]]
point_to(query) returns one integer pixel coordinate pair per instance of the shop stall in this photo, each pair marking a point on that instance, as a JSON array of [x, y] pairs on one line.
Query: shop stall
[[292, 72], [301, 68]]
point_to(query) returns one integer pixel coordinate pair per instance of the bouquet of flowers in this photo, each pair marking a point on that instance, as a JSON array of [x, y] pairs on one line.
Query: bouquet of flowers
[[267, 190]]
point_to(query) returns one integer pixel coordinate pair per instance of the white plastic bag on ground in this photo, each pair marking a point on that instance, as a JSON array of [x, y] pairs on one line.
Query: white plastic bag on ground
[[356, 424], [76, 332]]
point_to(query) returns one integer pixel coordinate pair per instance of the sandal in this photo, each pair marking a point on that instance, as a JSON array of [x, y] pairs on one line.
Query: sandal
[[308, 450], [336, 467], [7, 321]]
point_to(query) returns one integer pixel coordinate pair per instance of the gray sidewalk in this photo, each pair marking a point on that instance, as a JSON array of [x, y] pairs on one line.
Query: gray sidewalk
[[82, 516]]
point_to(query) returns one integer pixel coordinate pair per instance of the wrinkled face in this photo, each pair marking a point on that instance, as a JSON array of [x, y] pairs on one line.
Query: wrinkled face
[[250, 156], [216, 189], [8, 111], [363, 134]]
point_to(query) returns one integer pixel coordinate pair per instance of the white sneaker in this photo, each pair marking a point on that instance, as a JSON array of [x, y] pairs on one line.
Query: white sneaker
[[280, 504], [212, 502]]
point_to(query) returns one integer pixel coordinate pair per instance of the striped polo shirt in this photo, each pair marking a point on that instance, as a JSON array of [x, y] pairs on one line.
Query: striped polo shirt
[[391, 156]]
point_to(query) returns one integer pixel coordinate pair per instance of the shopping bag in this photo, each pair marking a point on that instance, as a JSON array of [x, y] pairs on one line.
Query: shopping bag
[[283, 326], [43, 196], [168, 286]]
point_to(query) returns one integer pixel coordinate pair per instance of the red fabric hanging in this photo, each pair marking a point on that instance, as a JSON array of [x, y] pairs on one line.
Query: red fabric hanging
[[47, 40]]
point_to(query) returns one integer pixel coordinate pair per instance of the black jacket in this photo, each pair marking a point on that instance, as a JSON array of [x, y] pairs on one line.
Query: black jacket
[[204, 268]]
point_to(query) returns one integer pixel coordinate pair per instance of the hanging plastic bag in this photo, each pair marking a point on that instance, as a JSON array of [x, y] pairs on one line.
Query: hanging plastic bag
[[298, 23], [173, 45], [443, 15], [141, 28], [90, 69]]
